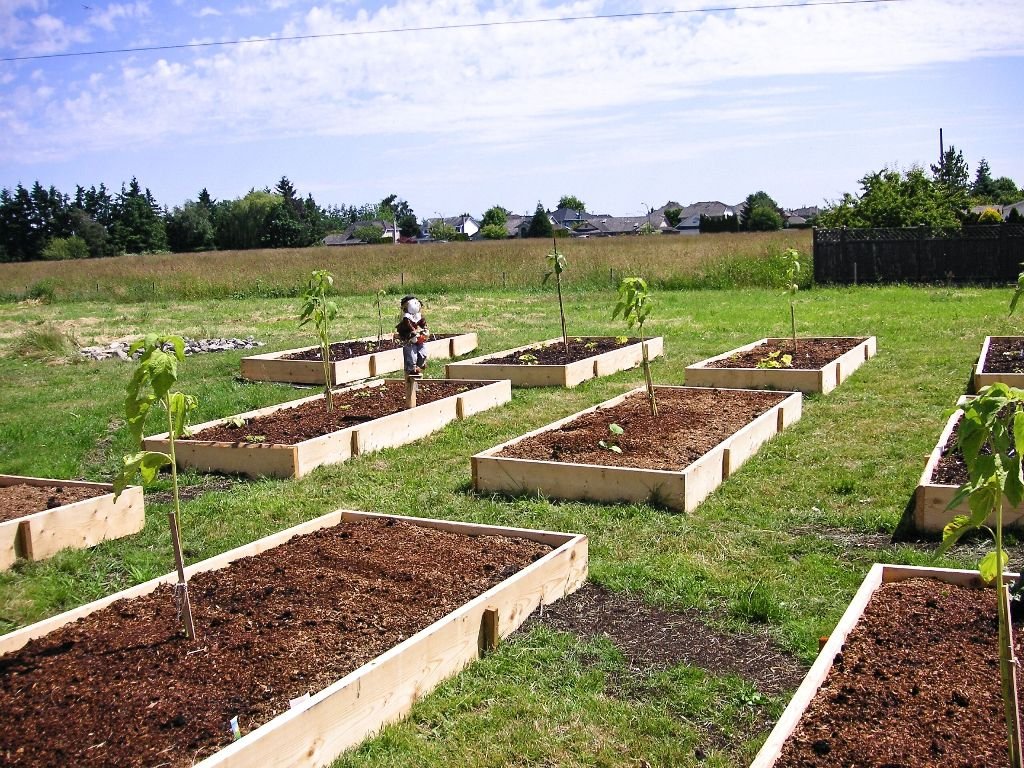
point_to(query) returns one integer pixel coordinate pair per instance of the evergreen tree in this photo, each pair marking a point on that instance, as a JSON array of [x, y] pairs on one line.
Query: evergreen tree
[[540, 224], [138, 226], [952, 172], [984, 186]]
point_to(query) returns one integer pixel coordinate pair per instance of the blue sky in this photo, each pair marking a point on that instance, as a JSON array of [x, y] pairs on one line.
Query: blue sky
[[799, 102]]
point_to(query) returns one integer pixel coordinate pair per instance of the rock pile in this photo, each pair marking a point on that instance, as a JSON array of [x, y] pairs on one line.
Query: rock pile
[[119, 349]]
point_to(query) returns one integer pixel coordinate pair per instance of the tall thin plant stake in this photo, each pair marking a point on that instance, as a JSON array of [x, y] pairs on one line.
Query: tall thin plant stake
[[556, 265], [634, 306], [792, 257], [992, 443], [151, 385], [379, 304]]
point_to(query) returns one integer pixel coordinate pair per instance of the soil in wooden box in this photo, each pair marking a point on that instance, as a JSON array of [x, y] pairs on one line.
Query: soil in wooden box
[[351, 407], [951, 469], [1005, 355], [22, 499], [916, 683], [345, 350], [123, 687], [811, 353], [554, 354], [690, 423]]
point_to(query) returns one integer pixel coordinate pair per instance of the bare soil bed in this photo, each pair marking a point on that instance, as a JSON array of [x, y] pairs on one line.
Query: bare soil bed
[[345, 350], [22, 499], [123, 687], [554, 354], [951, 469], [1005, 355], [916, 683], [811, 353], [293, 425], [689, 424]]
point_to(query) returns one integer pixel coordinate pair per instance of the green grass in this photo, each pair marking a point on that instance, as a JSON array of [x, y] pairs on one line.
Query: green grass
[[763, 553]]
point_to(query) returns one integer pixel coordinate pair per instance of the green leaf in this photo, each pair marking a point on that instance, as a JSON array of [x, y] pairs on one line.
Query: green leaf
[[145, 465], [989, 565], [615, 429], [954, 529], [180, 405], [163, 372]]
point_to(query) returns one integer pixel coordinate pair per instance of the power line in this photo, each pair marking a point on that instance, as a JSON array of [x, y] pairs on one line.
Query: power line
[[471, 25]]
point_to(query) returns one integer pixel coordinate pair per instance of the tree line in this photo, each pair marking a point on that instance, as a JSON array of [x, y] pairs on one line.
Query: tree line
[[44, 223]]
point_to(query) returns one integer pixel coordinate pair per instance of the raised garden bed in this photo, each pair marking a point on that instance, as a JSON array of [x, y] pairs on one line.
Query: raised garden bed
[[39, 517], [545, 363], [909, 677], [351, 360], [1001, 360], [293, 438], [821, 364], [700, 437], [943, 474], [314, 638]]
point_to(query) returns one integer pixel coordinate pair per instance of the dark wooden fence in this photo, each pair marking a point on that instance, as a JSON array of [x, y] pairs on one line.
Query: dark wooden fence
[[973, 254]]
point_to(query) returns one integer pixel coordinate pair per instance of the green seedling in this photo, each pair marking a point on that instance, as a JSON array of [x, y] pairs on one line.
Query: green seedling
[[991, 440], [378, 302], [255, 438], [791, 257], [320, 311], [620, 340], [634, 305], [775, 360], [150, 386], [556, 265], [590, 346], [612, 443], [236, 421], [528, 358]]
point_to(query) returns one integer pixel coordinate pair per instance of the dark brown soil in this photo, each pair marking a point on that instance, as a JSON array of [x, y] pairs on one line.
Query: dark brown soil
[[345, 350], [1005, 355], [916, 684], [690, 423], [652, 638], [293, 425], [811, 353], [950, 468], [554, 354], [123, 687], [20, 500]]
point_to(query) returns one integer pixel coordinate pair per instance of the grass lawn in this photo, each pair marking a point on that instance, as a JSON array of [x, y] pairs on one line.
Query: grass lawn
[[778, 550]]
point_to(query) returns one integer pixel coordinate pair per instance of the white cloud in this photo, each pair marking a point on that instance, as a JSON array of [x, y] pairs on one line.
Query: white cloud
[[503, 85], [105, 18], [208, 11]]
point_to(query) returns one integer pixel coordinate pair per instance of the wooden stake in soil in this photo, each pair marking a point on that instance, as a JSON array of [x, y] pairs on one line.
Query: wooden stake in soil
[[411, 385], [1010, 698]]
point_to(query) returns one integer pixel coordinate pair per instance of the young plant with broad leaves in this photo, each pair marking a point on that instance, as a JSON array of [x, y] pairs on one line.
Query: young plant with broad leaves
[[991, 439], [149, 391], [634, 305], [556, 265], [611, 443], [791, 274], [378, 302], [319, 310]]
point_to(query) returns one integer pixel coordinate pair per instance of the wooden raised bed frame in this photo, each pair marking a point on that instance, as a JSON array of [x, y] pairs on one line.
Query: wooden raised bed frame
[[982, 379], [604, 364], [271, 366], [879, 574], [317, 730], [682, 489], [78, 525], [823, 379], [931, 500], [298, 459]]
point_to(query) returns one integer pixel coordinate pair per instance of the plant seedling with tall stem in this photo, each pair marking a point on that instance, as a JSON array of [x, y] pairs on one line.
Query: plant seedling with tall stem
[[378, 302], [991, 440], [320, 311], [791, 257], [556, 265], [634, 305], [1018, 292], [150, 386]]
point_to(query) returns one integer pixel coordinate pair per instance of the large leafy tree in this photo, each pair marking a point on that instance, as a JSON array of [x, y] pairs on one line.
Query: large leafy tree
[[540, 224], [572, 202], [754, 201], [892, 199], [190, 228], [495, 215]]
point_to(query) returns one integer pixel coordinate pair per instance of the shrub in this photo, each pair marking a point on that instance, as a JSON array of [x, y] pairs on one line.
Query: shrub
[[63, 248], [990, 216]]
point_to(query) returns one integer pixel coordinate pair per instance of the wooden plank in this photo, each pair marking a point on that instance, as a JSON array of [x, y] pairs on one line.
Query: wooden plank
[[481, 399], [880, 573], [982, 379], [569, 375], [823, 379], [344, 713], [679, 489], [78, 525], [271, 366]]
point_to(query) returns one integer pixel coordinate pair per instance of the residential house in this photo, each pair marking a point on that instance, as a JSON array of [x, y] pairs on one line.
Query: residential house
[[348, 237], [689, 216], [463, 225]]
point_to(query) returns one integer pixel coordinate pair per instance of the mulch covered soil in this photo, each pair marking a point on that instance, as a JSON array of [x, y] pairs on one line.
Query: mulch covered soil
[[351, 407], [916, 684], [690, 422], [345, 350], [554, 354], [20, 500], [123, 687], [950, 469], [1005, 355], [811, 353]]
